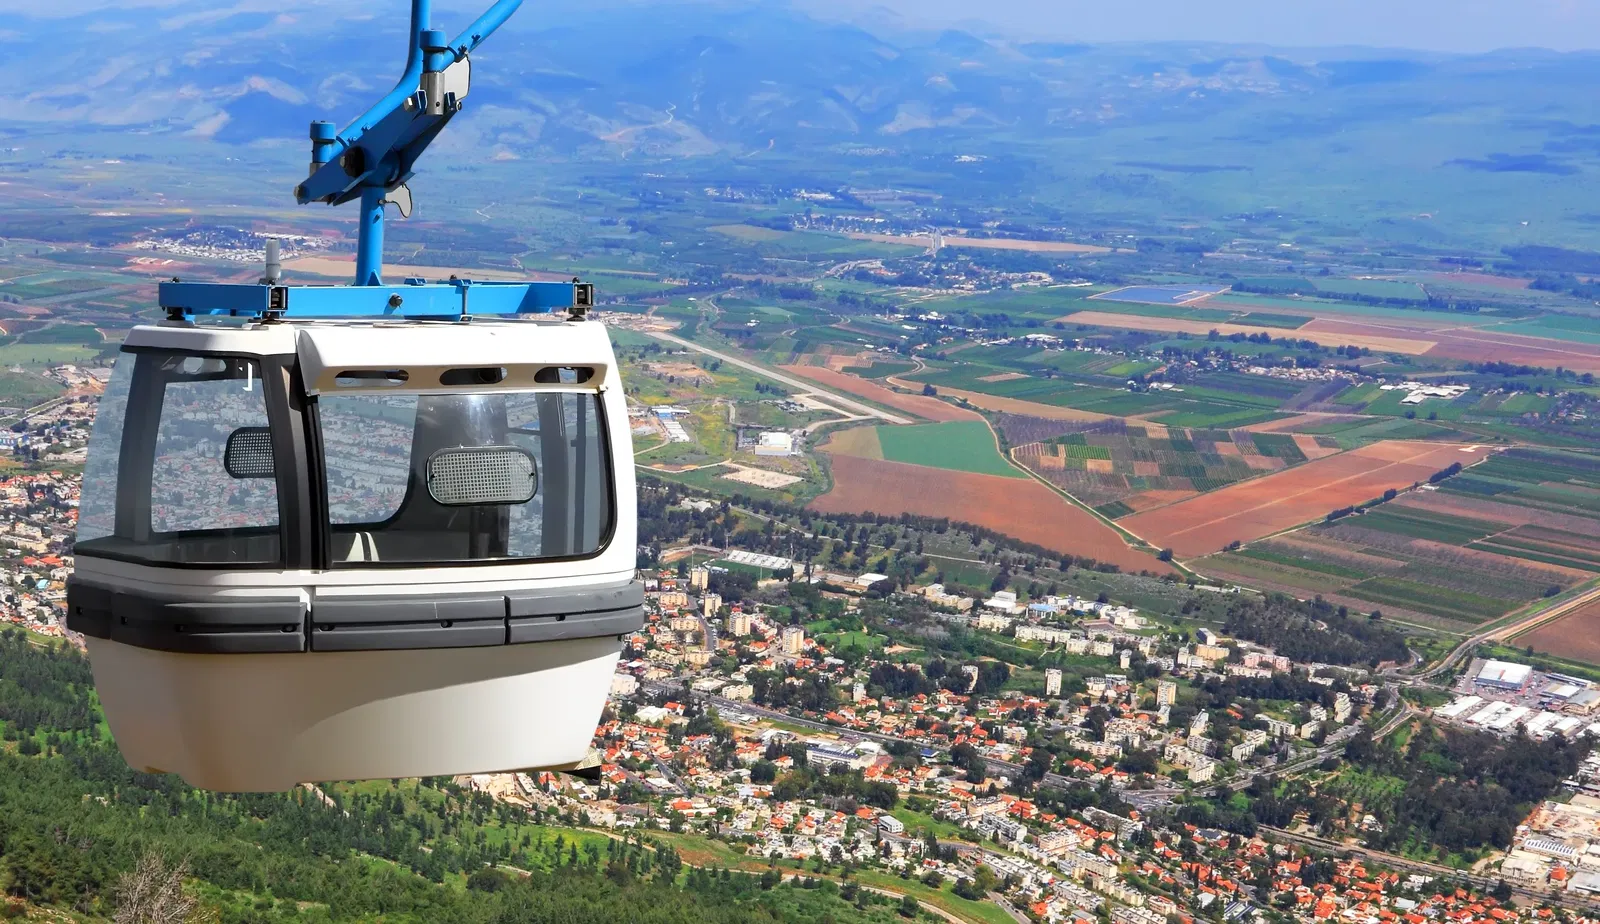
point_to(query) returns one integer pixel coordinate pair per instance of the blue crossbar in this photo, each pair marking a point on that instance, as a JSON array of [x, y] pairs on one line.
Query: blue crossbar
[[415, 298]]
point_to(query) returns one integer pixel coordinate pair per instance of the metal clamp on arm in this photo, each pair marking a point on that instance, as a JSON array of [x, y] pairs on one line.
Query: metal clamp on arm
[[372, 158]]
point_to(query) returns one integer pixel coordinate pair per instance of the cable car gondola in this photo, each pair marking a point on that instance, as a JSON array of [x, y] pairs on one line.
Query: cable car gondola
[[364, 531]]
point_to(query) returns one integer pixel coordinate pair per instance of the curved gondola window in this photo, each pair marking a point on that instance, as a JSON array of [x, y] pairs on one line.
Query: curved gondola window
[[383, 454], [157, 487]]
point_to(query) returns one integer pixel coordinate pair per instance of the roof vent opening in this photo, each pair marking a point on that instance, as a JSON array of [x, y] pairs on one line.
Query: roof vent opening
[[564, 375], [368, 378], [473, 375]]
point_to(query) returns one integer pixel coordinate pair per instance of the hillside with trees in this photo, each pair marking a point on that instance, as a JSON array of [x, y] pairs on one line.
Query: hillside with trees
[[82, 833]]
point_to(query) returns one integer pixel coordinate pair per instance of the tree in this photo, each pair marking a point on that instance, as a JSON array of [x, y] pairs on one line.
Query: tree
[[909, 906], [966, 758], [154, 893], [1165, 555]]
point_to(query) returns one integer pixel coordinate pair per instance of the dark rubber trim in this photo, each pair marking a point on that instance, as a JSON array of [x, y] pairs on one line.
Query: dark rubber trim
[[580, 625], [354, 611], [391, 623], [483, 633], [211, 626], [363, 623], [567, 601], [88, 609]]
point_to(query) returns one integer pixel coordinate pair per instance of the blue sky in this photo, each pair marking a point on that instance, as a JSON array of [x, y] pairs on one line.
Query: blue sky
[[1439, 25]]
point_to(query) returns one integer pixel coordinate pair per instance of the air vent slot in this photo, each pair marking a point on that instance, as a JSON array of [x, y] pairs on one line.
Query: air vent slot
[[370, 378], [473, 375], [564, 375]]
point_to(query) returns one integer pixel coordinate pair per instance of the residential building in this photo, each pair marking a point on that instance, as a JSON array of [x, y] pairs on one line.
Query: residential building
[[1004, 601]]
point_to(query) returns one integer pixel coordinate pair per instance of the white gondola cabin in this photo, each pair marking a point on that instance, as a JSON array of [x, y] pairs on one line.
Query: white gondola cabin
[[345, 550]]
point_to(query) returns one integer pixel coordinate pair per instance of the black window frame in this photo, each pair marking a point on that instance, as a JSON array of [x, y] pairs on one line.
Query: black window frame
[[305, 529], [284, 405], [319, 475]]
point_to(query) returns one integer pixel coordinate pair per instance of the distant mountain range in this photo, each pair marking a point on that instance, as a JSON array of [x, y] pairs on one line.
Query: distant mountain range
[[692, 79], [1419, 149]]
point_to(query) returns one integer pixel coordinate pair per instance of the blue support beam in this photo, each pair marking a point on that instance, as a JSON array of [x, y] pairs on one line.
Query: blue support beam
[[377, 152], [369, 241], [413, 299]]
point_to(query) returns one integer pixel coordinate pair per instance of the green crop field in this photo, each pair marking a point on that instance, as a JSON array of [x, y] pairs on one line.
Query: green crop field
[[1428, 598], [1372, 288], [1420, 524], [1304, 563], [1267, 319], [1574, 328], [961, 445]]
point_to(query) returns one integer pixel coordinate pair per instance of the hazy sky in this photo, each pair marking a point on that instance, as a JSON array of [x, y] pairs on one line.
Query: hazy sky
[[1442, 25]]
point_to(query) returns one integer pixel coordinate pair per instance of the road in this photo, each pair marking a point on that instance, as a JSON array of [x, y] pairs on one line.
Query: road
[[865, 410], [1501, 633], [1395, 861]]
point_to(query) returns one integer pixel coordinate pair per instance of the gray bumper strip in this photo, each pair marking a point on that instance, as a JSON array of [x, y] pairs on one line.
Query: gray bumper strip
[[385, 623]]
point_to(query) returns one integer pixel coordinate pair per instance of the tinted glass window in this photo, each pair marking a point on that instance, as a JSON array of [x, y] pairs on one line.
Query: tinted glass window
[[378, 450], [97, 505], [156, 485]]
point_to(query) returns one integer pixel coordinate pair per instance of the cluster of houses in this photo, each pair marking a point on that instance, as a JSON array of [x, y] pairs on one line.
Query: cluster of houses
[[37, 516]]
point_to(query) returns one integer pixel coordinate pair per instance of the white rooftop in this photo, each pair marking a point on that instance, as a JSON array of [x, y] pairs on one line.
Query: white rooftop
[[1504, 672]]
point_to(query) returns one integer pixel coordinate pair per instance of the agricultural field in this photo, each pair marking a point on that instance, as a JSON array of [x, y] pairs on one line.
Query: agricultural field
[[1161, 295], [1218, 401], [1376, 338], [1018, 507], [1431, 557], [1260, 507], [1574, 635], [918, 405], [1335, 287], [958, 445], [1577, 328], [1121, 468]]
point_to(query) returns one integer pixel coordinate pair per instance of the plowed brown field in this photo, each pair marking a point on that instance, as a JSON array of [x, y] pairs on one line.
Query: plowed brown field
[[924, 407], [1024, 510], [1252, 509], [1387, 341], [1464, 343], [1575, 635]]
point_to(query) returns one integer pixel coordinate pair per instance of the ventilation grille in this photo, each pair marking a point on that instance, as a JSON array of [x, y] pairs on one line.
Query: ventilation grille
[[482, 475], [249, 453]]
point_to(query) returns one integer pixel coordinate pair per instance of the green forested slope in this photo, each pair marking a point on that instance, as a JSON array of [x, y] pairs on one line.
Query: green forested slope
[[74, 819]]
